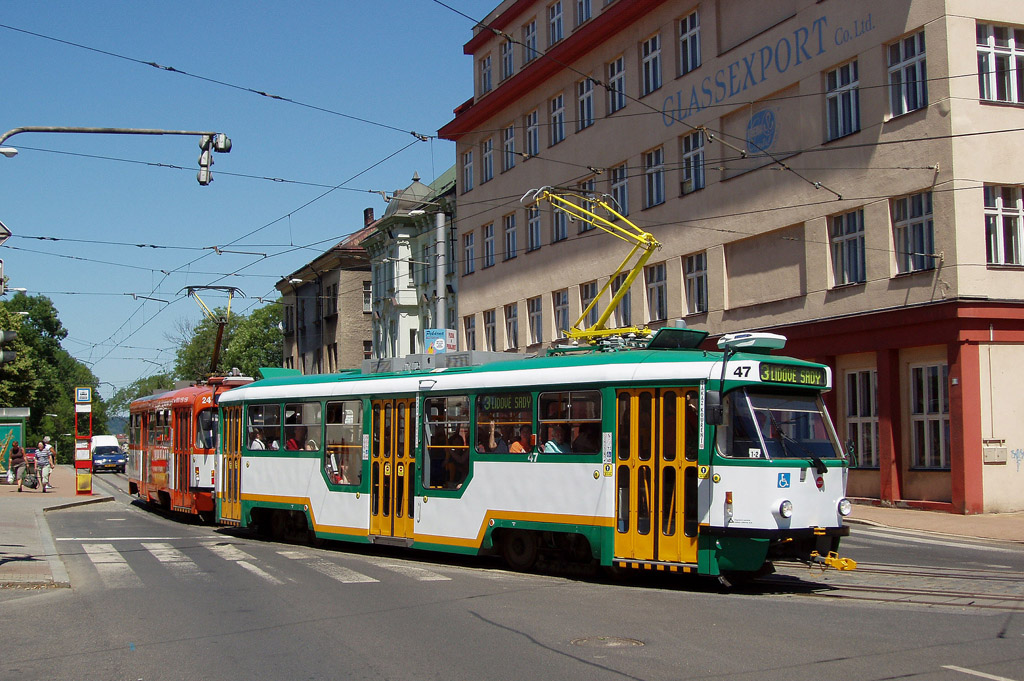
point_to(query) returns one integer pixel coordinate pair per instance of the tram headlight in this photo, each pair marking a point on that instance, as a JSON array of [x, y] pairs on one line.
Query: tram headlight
[[786, 508], [845, 507]]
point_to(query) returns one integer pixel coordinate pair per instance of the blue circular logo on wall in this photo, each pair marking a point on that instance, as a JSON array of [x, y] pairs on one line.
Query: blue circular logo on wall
[[761, 131]]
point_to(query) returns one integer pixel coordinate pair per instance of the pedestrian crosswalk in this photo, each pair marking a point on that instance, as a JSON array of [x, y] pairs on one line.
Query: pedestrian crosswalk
[[120, 566]]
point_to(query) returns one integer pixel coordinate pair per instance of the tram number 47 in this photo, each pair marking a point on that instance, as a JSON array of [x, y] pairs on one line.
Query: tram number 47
[[741, 372]]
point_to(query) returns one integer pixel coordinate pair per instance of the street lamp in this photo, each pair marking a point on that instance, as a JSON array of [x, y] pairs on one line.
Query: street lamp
[[9, 152]]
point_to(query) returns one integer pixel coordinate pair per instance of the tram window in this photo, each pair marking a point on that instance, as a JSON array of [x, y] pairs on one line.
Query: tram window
[[623, 427], [692, 428], [504, 423], [343, 461], [264, 426], [206, 429], [570, 422], [769, 425], [160, 427], [302, 426], [446, 433]]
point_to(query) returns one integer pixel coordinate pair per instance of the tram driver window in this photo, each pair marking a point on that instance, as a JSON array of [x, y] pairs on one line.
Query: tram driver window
[[570, 422], [738, 435], [446, 434], [263, 422], [206, 429], [302, 426], [343, 460], [504, 423]]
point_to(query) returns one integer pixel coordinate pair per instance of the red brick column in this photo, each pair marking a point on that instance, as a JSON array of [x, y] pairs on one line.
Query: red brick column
[[965, 445], [890, 431]]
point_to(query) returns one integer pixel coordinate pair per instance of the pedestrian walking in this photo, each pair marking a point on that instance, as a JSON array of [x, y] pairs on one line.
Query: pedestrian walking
[[17, 463], [45, 461]]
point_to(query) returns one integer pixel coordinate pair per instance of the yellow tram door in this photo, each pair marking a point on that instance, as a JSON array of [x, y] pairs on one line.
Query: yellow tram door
[[231, 466], [392, 468]]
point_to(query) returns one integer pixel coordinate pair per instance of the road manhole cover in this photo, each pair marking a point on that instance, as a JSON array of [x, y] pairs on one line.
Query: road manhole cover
[[607, 642]]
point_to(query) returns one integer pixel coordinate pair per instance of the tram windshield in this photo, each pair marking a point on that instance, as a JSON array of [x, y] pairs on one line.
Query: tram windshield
[[770, 425]]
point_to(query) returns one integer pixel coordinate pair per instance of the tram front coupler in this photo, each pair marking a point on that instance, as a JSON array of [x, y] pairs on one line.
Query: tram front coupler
[[832, 560]]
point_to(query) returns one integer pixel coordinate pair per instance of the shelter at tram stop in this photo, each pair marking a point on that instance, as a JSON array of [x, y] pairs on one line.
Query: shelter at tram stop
[[12, 429]]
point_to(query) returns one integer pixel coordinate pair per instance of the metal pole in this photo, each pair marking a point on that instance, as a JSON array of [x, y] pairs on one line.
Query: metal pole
[[441, 313], [101, 131]]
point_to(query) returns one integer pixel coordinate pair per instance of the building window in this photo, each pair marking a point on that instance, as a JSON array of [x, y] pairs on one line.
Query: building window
[[489, 245], [469, 324], [623, 313], [532, 228], [696, 271], [512, 326], [469, 253], [555, 28], [654, 177], [508, 148], [1004, 216], [467, 171], [691, 149], [583, 11], [532, 132], [908, 77], [485, 74], [657, 300], [557, 109], [367, 349], [616, 84], [929, 416], [588, 293], [847, 239], [559, 231], [490, 331], [1001, 63], [914, 232], [584, 104], [509, 227], [588, 189], [689, 43], [529, 41], [560, 303], [535, 311], [507, 59], [619, 180], [862, 416], [367, 297], [487, 157], [842, 100], [650, 65]]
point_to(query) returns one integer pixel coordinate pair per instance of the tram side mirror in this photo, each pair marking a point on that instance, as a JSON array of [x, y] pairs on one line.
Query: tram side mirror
[[713, 408]]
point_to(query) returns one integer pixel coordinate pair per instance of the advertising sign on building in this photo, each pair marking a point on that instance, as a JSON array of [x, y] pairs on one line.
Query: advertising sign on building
[[439, 340]]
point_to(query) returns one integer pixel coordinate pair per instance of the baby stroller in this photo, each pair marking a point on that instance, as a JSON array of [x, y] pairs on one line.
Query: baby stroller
[[31, 480]]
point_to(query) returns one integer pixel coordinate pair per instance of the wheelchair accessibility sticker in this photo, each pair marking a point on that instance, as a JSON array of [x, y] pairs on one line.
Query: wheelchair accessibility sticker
[[783, 480]]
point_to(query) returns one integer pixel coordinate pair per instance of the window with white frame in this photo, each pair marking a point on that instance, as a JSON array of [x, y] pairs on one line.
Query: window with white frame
[[367, 298], [622, 316], [654, 177], [469, 253], [691, 148], [530, 41], [532, 228], [1001, 63], [512, 326], [657, 299], [487, 160], [584, 104], [650, 65], [862, 415], [467, 171], [1004, 217], [559, 231], [929, 416], [556, 30], [583, 11], [846, 235], [531, 130], [689, 43], [490, 331], [618, 178], [616, 84], [587, 189], [914, 232], [469, 324], [560, 303], [908, 75], [557, 120], [508, 223], [842, 100], [508, 148], [485, 74], [588, 292], [508, 63], [696, 270], [535, 312], [489, 245]]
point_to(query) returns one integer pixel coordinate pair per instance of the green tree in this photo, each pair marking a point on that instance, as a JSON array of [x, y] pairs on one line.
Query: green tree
[[120, 402], [17, 378], [195, 345], [256, 342]]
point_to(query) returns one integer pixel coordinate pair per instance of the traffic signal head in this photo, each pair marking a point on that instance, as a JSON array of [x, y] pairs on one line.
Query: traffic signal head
[[7, 355]]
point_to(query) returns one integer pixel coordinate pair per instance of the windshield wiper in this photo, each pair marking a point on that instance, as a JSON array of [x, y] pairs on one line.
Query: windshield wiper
[[819, 466]]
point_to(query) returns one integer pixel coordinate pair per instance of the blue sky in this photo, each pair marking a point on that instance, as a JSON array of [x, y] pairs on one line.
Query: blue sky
[[393, 63]]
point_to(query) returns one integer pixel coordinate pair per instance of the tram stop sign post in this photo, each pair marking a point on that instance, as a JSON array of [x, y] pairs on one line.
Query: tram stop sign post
[[83, 437]]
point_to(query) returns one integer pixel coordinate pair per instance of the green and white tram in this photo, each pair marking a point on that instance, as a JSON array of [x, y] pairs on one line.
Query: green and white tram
[[667, 457]]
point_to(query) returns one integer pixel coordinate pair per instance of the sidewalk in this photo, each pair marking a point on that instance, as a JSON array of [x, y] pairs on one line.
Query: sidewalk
[[1002, 526], [28, 555]]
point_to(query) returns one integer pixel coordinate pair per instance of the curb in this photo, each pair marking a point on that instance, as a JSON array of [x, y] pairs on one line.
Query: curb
[[80, 502], [58, 572]]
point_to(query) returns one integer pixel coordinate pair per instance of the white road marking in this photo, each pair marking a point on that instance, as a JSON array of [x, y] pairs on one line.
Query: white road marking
[[324, 567], [111, 565], [241, 559], [972, 672], [107, 539], [889, 537], [175, 561], [419, 574]]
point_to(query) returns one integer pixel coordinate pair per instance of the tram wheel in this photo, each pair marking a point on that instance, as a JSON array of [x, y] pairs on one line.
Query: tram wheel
[[519, 549]]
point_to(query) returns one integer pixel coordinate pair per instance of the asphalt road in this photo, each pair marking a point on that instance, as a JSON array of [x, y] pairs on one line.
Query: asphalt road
[[154, 598]]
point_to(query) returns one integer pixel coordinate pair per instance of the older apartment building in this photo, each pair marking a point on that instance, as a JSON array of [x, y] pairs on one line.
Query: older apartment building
[[844, 173]]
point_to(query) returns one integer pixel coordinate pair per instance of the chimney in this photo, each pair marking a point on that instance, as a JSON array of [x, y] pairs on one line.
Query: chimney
[[368, 217]]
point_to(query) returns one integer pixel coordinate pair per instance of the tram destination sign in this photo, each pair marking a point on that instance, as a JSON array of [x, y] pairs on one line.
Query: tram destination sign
[[794, 375]]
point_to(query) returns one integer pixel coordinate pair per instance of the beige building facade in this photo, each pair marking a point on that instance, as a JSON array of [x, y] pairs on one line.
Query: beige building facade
[[842, 173]]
